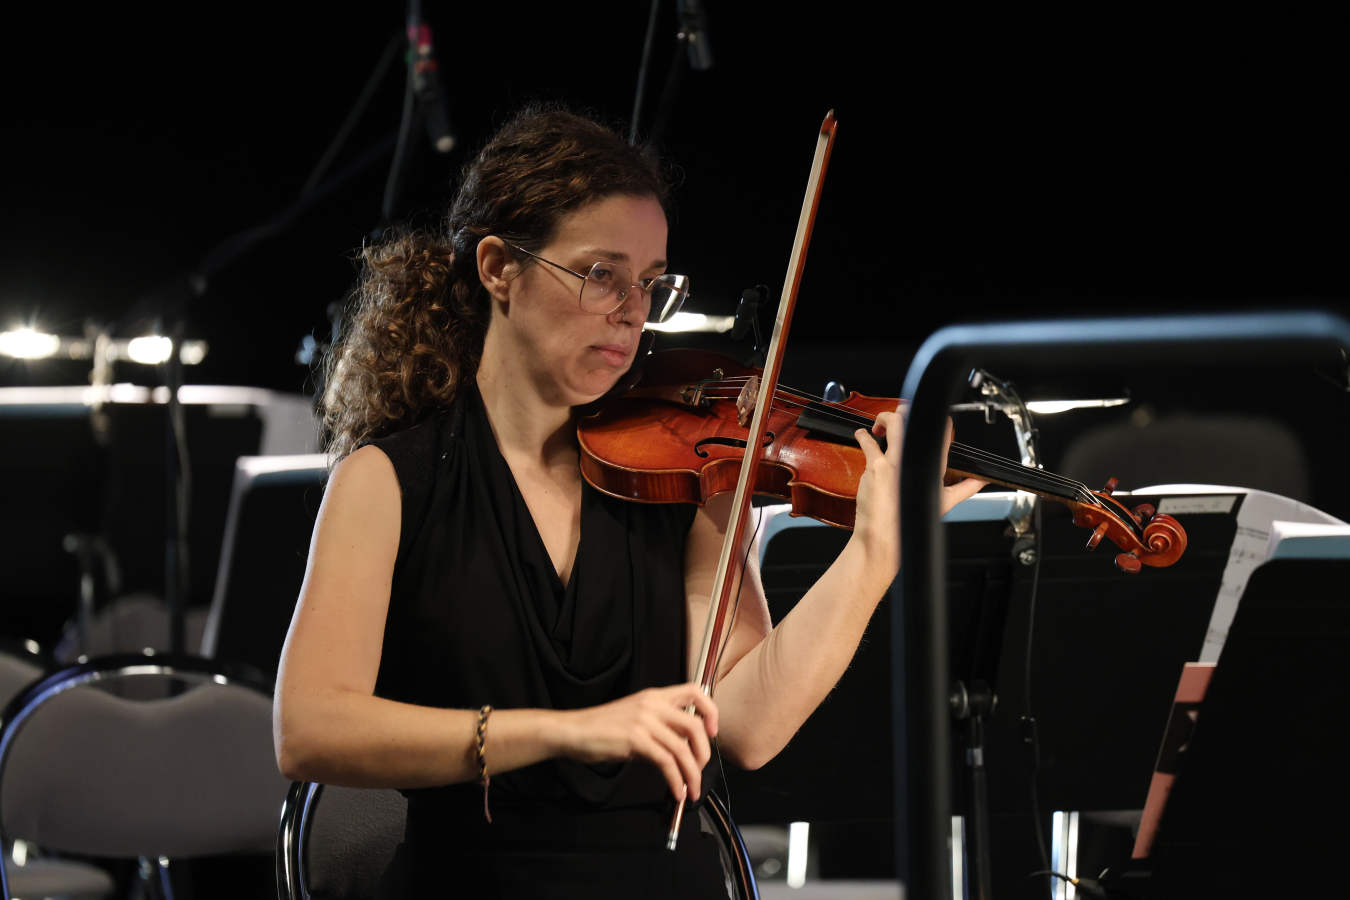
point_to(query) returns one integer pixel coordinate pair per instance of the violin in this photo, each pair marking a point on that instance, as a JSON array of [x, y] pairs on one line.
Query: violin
[[680, 431]]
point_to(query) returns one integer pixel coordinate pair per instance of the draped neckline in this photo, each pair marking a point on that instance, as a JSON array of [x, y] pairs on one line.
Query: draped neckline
[[560, 587]]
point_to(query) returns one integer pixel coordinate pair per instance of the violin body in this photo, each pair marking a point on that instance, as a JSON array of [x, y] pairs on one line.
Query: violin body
[[678, 436]]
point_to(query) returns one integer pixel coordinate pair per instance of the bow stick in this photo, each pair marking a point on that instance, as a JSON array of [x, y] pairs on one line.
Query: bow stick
[[722, 593]]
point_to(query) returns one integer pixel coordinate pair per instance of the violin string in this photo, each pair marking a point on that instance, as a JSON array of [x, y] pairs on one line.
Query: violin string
[[1010, 466], [1010, 470], [825, 409], [785, 397], [843, 414]]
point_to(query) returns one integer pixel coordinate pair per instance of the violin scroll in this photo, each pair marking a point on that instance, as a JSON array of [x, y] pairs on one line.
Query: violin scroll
[[1146, 537]]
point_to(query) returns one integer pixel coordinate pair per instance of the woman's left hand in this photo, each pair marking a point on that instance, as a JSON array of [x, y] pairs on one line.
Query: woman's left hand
[[877, 522]]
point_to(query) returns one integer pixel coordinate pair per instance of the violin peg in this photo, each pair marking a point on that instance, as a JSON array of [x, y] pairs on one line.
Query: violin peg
[[1128, 563], [1097, 534], [1111, 484], [1143, 512]]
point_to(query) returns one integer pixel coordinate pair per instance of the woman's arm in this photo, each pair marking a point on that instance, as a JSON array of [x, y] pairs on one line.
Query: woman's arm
[[772, 679], [329, 727]]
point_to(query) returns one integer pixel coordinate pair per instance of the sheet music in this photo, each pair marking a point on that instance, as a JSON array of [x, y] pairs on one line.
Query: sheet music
[[1262, 522]]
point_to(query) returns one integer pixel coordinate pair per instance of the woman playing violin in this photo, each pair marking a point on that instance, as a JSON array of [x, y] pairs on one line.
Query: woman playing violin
[[474, 615]]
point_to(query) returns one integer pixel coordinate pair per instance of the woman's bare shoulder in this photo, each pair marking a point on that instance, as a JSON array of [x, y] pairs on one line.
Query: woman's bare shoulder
[[363, 493]]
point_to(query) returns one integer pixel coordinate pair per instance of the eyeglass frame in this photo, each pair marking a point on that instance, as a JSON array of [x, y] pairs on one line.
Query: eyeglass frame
[[623, 296]]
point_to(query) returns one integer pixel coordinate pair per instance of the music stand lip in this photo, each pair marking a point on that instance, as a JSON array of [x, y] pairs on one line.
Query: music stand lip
[[935, 376]]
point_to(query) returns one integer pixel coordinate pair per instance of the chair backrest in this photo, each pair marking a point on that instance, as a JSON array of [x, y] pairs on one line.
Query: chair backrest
[[18, 669], [273, 505], [1248, 451], [335, 843], [85, 770], [130, 624]]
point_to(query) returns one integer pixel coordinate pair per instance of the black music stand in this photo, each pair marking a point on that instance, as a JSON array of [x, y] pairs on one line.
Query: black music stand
[[920, 618], [836, 771], [1256, 807]]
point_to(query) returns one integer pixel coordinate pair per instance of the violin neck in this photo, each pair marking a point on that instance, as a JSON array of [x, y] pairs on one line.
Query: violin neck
[[962, 460], [970, 462]]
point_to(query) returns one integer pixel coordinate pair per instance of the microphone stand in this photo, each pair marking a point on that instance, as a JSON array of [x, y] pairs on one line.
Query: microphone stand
[[692, 48], [971, 705], [178, 483]]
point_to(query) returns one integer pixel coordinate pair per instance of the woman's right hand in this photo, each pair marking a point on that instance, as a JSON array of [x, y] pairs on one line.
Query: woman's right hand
[[651, 724]]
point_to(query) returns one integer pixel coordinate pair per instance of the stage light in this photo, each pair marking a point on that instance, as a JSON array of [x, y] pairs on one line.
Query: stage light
[[687, 321], [150, 350], [1048, 407], [192, 352], [28, 343]]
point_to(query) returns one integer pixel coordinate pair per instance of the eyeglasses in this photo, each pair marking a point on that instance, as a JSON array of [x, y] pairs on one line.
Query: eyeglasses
[[605, 287]]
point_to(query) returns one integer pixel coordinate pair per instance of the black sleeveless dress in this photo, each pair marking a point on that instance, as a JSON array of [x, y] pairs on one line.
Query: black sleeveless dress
[[478, 615]]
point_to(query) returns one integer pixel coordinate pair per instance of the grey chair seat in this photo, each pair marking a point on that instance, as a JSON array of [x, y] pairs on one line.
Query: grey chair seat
[[63, 878]]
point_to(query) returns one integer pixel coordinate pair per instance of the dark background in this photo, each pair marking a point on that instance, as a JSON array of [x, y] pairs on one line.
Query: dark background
[[985, 167]]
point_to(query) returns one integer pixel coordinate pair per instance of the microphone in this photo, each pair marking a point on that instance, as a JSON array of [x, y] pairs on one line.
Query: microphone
[[694, 30], [426, 80]]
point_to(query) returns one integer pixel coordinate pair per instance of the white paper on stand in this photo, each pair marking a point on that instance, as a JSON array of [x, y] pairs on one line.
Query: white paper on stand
[[1263, 521]]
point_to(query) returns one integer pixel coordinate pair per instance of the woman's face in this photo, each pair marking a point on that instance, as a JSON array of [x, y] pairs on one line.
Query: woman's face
[[576, 356]]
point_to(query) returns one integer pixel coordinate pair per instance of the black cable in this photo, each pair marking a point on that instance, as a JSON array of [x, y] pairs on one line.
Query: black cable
[[642, 72], [1090, 887], [679, 60], [405, 126], [358, 109]]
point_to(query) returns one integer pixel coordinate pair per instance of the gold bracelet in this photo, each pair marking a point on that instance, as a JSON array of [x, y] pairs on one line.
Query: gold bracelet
[[483, 777]]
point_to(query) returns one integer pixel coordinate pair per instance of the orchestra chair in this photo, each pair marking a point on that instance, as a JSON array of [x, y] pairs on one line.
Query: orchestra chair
[[273, 505], [335, 843], [21, 664], [129, 624], [1248, 451], [87, 771]]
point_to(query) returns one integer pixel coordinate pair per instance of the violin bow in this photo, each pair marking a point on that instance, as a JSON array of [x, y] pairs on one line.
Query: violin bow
[[724, 582]]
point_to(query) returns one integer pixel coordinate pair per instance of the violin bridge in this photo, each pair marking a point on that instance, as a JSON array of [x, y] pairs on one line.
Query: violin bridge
[[745, 402]]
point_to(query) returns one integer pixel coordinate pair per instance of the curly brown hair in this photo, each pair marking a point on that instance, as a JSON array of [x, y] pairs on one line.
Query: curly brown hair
[[415, 327]]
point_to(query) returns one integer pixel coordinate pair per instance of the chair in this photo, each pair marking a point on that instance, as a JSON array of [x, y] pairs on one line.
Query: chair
[[272, 509], [335, 842], [129, 624], [1248, 451], [87, 771], [21, 664]]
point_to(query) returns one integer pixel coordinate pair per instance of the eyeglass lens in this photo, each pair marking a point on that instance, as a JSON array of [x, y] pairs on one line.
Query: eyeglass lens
[[608, 285]]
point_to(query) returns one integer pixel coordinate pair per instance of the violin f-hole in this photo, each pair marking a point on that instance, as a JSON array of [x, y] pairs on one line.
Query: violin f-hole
[[728, 442]]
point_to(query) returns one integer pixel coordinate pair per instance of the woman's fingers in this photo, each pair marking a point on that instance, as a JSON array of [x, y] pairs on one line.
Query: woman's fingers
[[647, 746], [870, 448], [678, 748], [964, 489], [675, 739], [704, 706]]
